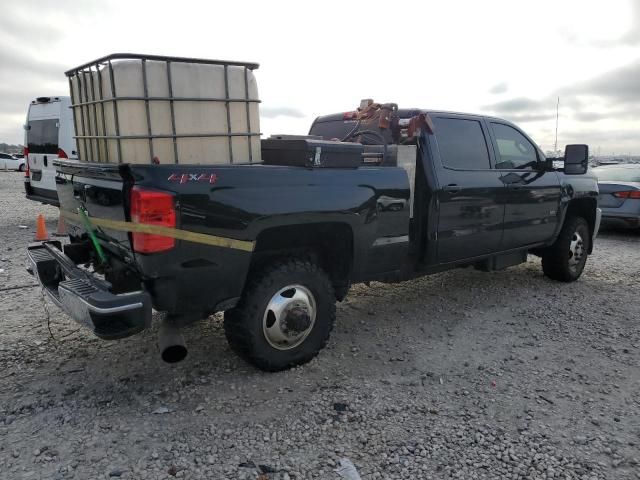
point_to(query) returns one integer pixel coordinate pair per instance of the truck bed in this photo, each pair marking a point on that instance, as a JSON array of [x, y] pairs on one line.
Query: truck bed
[[224, 213]]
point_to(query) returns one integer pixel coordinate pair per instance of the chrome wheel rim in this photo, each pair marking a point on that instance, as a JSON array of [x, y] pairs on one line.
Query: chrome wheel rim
[[576, 251], [289, 317]]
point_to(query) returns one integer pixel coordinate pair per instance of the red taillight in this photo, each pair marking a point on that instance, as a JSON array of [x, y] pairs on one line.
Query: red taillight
[[152, 208], [62, 153], [26, 162], [350, 115], [629, 194]]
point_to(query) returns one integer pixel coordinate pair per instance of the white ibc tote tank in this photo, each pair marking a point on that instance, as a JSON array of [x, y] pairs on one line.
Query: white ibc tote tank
[[131, 108]]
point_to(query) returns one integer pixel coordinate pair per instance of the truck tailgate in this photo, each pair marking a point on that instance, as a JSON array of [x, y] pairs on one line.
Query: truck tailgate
[[159, 225], [101, 191]]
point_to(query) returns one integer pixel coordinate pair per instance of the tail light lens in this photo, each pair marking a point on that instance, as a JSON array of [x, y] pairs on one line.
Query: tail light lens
[[629, 194], [26, 162], [350, 115], [62, 153], [152, 208]]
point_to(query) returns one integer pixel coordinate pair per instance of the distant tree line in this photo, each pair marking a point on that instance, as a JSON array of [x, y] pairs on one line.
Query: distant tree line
[[8, 148]]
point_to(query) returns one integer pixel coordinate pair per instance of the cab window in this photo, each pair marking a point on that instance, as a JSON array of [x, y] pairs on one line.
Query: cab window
[[514, 150], [461, 144]]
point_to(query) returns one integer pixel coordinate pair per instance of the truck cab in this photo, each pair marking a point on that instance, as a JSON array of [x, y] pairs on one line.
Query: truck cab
[[488, 188]]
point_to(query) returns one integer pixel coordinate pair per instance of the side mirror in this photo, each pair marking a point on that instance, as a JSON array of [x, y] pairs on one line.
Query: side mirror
[[576, 159]]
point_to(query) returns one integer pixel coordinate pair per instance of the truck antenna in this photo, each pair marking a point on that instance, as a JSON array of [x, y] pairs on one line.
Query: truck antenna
[[555, 148]]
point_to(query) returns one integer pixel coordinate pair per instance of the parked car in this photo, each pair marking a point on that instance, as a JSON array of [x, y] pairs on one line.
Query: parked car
[[49, 135], [11, 162], [619, 199], [275, 244]]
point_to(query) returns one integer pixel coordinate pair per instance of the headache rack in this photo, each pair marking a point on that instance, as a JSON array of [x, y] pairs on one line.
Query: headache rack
[[134, 108]]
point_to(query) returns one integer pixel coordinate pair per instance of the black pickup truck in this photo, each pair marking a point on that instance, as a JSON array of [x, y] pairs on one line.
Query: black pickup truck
[[274, 246]]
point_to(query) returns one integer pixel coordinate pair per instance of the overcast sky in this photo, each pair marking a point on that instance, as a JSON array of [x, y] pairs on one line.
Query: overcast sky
[[503, 57]]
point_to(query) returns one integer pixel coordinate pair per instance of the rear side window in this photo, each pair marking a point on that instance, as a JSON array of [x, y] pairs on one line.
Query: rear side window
[[332, 129], [42, 136], [514, 149], [340, 128], [462, 144]]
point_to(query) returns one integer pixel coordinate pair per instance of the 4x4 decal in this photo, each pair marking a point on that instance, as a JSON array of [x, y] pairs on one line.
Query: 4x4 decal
[[193, 177]]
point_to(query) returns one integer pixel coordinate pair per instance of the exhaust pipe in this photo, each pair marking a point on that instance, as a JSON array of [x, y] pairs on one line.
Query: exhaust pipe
[[171, 342]]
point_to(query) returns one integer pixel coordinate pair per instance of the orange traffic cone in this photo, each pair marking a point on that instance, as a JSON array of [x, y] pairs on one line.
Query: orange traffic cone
[[62, 228], [41, 229]]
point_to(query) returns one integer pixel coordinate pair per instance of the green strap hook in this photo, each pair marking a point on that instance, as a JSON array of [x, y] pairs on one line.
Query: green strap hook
[[90, 230]]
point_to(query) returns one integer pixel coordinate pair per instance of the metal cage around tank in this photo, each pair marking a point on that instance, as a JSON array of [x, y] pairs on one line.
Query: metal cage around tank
[[90, 99]]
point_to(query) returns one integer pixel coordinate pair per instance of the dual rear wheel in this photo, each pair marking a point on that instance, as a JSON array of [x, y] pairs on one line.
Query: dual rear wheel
[[285, 316]]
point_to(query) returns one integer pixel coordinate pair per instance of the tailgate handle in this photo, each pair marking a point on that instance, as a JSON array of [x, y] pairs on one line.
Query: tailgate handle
[[452, 188]]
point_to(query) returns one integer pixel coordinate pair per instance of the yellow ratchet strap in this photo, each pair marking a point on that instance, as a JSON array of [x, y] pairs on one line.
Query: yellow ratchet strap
[[244, 245]]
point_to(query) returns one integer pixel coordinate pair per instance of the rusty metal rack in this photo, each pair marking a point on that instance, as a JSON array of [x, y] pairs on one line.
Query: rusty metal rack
[[90, 97]]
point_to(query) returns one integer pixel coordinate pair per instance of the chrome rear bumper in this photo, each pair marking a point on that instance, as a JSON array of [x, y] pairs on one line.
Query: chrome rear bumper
[[85, 297]]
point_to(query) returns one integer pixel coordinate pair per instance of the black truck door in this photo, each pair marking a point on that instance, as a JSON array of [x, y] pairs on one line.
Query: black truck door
[[470, 192], [533, 194]]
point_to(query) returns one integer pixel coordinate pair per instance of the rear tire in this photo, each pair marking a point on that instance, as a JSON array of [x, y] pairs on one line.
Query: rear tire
[[565, 259], [284, 317]]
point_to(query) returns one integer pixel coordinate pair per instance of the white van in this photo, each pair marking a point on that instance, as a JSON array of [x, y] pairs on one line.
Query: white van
[[49, 135]]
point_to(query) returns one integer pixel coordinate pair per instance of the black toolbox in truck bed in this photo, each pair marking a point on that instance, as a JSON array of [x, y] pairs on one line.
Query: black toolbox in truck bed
[[311, 153]]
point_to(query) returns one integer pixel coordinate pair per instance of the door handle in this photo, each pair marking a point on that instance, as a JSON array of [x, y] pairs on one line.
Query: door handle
[[515, 186], [452, 188]]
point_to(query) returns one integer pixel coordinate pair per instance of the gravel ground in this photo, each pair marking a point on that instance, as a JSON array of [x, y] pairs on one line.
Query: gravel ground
[[458, 375]]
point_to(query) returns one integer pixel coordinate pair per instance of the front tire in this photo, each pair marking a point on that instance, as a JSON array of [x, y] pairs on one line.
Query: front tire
[[21, 167], [284, 317], [565, 259]]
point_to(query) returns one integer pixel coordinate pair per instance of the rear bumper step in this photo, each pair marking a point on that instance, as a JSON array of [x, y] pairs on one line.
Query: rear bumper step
[[85, 297]]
